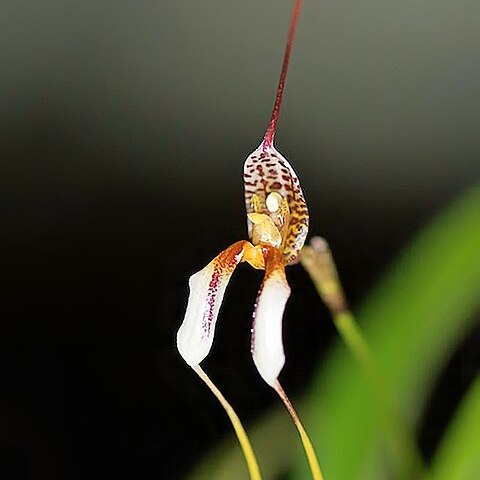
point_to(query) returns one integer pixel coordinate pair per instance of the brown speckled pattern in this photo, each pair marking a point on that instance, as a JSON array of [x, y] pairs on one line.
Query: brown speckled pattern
[[266, 171]]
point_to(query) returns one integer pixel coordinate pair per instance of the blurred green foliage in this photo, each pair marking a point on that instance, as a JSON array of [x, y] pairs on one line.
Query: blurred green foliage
[[420, 311], [458, 456]]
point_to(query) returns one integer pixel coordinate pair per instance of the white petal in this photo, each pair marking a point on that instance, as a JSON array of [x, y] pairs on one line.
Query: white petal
[[267, 343], [207, 287]]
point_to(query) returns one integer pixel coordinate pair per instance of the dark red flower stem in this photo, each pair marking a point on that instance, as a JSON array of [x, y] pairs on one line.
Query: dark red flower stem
[[272, 126]]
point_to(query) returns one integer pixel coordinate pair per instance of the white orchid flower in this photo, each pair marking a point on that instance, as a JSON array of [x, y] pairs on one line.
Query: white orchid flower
[[278, 225], [277, 218]]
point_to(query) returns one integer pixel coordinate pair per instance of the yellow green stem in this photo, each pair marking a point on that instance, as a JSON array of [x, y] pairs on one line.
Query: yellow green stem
[[318, 262], [242, 436], [306, 442]]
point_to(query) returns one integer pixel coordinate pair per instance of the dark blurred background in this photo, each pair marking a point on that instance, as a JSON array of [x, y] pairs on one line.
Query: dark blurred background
[[123, 130]]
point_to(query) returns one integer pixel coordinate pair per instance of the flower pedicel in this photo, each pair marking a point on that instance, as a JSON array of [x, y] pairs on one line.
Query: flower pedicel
[[277, 227]]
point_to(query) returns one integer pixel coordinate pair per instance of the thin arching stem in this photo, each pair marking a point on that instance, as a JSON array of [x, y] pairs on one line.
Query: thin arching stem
[[306, 442], [317, 260], [272, 126], [242, 436]]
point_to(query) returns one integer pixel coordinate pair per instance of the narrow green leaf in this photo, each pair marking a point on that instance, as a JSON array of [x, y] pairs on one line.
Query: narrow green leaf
[[458, 456]]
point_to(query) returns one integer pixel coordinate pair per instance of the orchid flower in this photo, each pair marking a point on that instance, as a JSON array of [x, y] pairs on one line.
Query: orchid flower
[[277, 218]]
